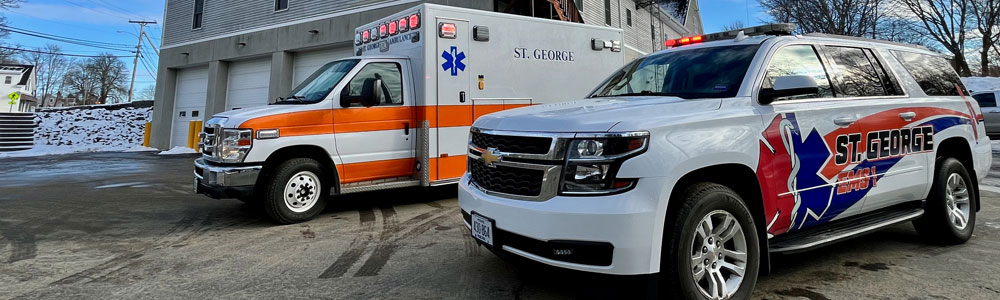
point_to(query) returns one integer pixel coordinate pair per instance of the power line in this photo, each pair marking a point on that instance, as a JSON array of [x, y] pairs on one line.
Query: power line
[[57, 53], [93, 44], [6, 27]]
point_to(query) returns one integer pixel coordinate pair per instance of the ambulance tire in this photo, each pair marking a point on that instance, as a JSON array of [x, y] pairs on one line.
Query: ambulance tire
[[308, 185], [950, 209], [718, 205]]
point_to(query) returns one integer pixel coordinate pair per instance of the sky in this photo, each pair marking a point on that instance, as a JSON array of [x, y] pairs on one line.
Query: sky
[[93, 20], [107, 21]]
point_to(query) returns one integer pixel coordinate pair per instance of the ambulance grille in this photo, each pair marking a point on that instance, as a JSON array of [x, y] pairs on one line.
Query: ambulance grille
[[209, 143], [512, 144], [507, 180]]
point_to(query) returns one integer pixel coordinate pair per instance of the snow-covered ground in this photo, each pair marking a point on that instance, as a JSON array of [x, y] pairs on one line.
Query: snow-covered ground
[[88, 130], [978, 84]]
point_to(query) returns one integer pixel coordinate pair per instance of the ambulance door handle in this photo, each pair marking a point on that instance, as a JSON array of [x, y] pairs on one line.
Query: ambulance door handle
[[461, 96], [908, 116], [845, 121], [406, 128]]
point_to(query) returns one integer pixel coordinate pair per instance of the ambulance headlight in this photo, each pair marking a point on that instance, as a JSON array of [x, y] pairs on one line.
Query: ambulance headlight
[[592, 163], [234, 145]]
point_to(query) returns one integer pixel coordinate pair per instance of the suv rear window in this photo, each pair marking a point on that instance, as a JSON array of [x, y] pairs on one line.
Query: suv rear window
[[986, 100], [934, 74]]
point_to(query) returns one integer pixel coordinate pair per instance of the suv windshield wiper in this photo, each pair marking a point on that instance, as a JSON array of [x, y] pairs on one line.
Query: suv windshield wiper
[[292, 99]]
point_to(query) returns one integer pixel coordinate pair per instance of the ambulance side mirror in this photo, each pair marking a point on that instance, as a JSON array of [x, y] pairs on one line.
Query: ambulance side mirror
[[788, 86], [371, 92]]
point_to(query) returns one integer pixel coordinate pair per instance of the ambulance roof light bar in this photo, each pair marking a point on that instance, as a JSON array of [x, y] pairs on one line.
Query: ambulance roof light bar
[[769, 29]]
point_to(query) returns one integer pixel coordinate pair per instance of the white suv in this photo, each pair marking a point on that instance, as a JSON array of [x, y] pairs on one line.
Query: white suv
[[699, 161]]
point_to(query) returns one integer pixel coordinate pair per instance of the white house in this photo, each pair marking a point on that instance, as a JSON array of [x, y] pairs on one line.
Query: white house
[[19, 79]]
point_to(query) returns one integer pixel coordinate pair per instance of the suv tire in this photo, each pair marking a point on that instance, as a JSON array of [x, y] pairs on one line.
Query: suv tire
[[950, 209], [696, 259], [296, 192]]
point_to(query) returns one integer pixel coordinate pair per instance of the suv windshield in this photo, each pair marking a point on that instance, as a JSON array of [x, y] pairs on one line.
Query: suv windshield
[[690, 74], [319, 85]]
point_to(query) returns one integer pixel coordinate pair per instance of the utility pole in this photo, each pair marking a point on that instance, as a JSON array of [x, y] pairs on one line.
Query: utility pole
[[138, 49]]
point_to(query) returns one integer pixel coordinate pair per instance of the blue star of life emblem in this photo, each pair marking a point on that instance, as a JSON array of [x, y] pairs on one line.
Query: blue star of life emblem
[[453, 61]]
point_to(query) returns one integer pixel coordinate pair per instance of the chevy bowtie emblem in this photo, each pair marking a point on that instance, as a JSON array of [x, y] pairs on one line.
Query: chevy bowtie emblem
[[492, 156]]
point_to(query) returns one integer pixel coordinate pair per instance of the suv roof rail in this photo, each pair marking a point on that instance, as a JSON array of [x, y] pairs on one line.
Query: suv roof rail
[[862, 39]]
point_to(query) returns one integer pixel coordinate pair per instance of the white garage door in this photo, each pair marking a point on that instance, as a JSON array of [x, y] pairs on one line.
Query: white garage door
[[248, 83], [189, 102], [308, 62]]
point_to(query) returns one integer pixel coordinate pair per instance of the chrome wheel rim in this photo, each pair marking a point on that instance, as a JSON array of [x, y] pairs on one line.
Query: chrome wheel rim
[[302, 191], [957, 201], [718, 255]]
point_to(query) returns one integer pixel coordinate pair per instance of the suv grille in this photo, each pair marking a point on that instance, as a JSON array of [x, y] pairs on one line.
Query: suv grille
[[512, 144], [507, 180]]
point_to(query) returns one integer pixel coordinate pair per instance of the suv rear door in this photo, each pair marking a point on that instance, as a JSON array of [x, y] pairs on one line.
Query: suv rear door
[[892, 168]]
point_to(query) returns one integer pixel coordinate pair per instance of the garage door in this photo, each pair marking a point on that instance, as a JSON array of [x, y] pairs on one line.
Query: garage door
[[308, 62], [248, 83], [189, 102]]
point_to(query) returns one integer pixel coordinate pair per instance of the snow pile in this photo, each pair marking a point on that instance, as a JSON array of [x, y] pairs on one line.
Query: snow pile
[[178, 150], [94, 129], [980, 84]]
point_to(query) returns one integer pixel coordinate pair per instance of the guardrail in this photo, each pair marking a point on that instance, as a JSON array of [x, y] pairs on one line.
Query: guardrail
[[17, 131]]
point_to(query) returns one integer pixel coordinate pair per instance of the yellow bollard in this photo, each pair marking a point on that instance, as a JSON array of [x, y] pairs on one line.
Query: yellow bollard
[[145, 134], [191, 133]]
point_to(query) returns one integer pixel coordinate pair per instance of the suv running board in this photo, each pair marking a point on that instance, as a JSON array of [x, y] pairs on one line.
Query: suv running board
[[842, 230]]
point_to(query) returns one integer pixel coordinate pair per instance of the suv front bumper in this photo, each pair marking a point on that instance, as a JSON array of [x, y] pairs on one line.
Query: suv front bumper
[[224, 181], [614, 234]]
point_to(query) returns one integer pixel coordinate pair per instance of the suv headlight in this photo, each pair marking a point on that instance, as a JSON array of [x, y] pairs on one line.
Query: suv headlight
[[592, 163], [234, 145]]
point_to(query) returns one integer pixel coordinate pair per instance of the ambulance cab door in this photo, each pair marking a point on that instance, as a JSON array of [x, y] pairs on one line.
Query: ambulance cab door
[[454, 110], [374, 128]]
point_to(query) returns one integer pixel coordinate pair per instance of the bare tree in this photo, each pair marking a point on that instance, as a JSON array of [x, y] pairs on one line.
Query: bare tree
[[947, 23], [734, 25], [98, 79], [987, 13], [147, 93], [50, 65], [843, 17]]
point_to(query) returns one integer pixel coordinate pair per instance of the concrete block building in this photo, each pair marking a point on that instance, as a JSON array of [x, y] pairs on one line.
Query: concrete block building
[[220, 55]]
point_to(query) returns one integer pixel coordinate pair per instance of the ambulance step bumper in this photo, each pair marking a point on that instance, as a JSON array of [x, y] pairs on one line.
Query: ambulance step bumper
[[844, 229]]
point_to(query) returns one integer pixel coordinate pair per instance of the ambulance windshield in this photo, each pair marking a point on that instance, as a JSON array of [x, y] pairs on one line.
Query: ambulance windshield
[[697, 73], [318, 86]]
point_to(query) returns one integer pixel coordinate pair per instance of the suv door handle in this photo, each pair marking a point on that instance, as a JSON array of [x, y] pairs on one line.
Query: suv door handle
[[994, 111], [908, 116], [845, 121]]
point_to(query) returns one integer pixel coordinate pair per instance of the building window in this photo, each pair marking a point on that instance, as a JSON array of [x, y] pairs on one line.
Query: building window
[[199, 10], [7, 80], [628, 17], [607, 12], [280, 5]]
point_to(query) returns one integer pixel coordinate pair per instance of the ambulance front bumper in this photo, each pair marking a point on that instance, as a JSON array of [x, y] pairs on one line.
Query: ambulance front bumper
[[613, 234], [224, 181]]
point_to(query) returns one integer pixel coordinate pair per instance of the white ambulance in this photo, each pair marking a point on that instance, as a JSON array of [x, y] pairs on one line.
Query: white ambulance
[[398, 114], [697, 162]]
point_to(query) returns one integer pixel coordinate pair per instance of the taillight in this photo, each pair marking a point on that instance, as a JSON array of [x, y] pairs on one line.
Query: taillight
[[414, 21]]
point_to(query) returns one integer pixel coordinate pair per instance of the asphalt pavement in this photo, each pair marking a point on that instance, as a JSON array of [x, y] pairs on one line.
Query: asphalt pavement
[[127, 226]]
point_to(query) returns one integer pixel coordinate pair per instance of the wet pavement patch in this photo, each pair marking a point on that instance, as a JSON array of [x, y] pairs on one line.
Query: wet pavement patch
[[800, 292]]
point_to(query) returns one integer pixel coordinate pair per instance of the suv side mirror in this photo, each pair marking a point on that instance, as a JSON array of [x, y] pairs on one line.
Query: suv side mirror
[[788, 86], [371, 92]]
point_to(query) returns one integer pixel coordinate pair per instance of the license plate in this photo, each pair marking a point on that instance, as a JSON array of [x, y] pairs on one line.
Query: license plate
[[482, 229]]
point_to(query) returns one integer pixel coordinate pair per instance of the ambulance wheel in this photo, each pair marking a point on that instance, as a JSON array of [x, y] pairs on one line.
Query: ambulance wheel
[[296, 192], [712, 251], [950, 210]]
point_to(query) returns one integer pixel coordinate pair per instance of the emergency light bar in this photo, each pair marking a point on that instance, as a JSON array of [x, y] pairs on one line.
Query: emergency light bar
[[769, 29]]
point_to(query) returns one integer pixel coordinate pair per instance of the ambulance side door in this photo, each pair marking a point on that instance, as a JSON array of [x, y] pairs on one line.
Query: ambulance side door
[[454, 105]]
